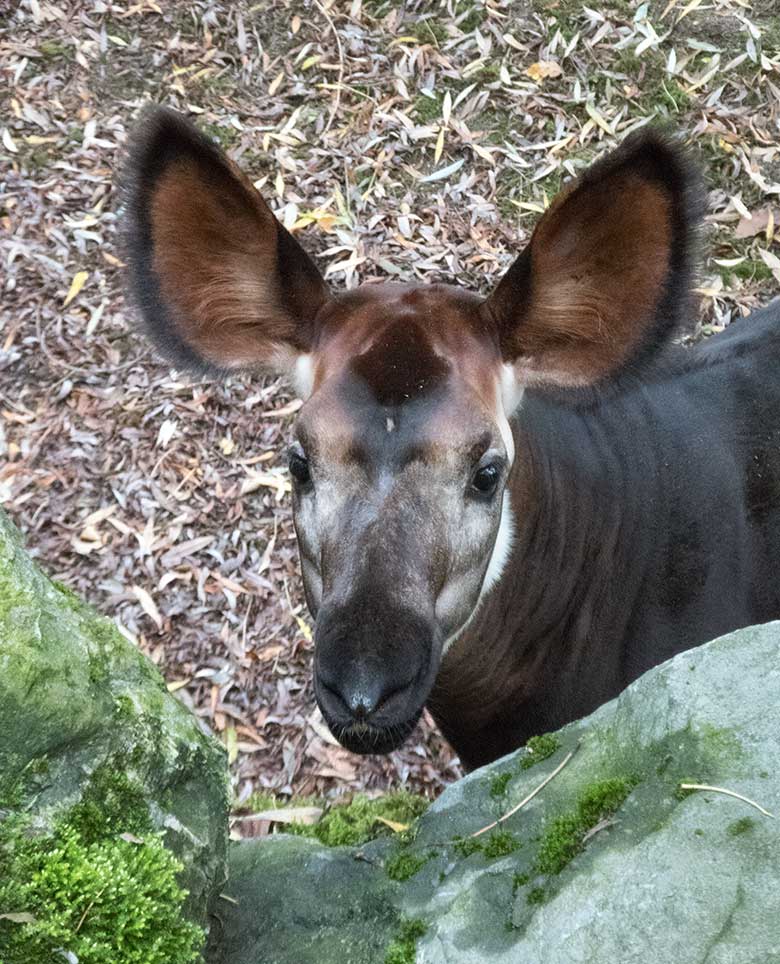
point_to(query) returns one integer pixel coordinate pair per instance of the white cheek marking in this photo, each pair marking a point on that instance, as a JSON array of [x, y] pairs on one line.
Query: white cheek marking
[[502, 549], [303, 375], [390, 424], [510, 388]]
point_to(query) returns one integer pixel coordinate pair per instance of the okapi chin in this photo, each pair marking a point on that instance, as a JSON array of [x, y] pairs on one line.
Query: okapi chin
[[509, 507]]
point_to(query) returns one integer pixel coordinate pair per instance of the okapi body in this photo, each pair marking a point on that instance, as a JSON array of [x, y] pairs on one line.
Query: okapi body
[[510, 507]]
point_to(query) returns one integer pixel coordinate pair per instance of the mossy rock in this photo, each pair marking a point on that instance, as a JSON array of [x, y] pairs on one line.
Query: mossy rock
[[97, 758], [609, 862]]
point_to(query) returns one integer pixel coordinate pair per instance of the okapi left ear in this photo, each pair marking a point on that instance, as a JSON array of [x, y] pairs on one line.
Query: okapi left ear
[[219, 281], [607, 271]]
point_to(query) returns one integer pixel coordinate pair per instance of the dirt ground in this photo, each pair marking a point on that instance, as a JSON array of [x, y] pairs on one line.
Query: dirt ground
[[412, 141]]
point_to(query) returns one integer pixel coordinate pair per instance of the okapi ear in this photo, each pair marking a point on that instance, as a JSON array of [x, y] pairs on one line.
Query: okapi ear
[[219, 281], [607, 271]]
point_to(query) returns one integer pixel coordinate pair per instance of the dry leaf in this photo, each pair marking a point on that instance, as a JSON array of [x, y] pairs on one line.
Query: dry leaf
[[79, 280], [393, 824], [757, 224], [148, 605], [544, 69], [304, 815]]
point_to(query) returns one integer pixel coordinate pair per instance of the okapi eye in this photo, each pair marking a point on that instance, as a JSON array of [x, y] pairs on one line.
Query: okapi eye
[[485, 479], [299, 466]]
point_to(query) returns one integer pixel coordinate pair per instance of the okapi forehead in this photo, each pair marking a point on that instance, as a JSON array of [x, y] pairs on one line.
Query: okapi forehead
[[401, 365]]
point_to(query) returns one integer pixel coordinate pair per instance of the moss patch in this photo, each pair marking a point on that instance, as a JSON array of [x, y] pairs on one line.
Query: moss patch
[[539, 748], [403, 948], [536, 895], [564, 837], [92, 887], [404, 865], [738, 827], [361, 820], [498, 784], [499, 843]]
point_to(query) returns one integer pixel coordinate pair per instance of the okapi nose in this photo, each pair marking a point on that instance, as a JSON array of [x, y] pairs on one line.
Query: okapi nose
[[360, 694]]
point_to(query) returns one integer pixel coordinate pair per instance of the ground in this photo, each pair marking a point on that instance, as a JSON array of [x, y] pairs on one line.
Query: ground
[[413, 141]]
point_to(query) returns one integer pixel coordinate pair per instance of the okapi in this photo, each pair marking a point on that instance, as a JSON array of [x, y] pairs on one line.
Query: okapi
[[510, 507]]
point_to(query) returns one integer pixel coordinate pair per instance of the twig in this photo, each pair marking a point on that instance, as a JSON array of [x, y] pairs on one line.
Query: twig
[[729, 793], [89, 908], [337, 98], [531, 795]]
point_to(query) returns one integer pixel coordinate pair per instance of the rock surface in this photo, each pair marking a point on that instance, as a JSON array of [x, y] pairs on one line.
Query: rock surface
[[79, 702], [666, 877]]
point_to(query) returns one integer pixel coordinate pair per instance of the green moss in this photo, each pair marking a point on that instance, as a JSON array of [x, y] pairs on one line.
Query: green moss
[[427, 109], [403, 948], [518, 881], [466, 846], [404, 865], [681, 793], [435, 29], [499, 843], [748, 270], [498, 784], [108, 900], [53, 49], [536, 895], [471, 20], [563, 839], [112, 803], [359, 821], [539, 748], [740, 826], [226, 137], [560, 843]]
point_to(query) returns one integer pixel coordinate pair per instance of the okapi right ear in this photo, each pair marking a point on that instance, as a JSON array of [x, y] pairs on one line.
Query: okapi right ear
[[219, 281], [607, 272]]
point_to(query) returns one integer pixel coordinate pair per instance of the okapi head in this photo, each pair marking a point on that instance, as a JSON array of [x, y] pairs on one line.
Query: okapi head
[[403, 448]]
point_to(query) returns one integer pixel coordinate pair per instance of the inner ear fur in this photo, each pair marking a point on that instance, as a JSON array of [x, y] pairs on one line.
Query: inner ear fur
[[219, 281], [607, 272]]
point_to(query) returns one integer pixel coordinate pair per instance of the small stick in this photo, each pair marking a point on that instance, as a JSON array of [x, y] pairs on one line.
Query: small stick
[[531, 795], [729, 793]]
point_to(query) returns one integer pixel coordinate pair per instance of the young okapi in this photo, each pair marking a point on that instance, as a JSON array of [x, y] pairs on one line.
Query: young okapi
[[508, 507]]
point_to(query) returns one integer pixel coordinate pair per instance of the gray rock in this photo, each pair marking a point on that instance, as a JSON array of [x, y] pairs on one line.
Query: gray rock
[[80, 702], [666, 878]]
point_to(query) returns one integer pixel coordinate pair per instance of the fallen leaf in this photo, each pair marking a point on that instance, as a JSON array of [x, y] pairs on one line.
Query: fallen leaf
[[544, 69], [148, 605], [393, 824], [772, 262], [130, 838], [79, 280], [444, 172], [756, 224], [304, 815]]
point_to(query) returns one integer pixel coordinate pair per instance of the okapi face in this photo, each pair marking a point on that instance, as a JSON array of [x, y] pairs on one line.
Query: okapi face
[[403, 449]]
